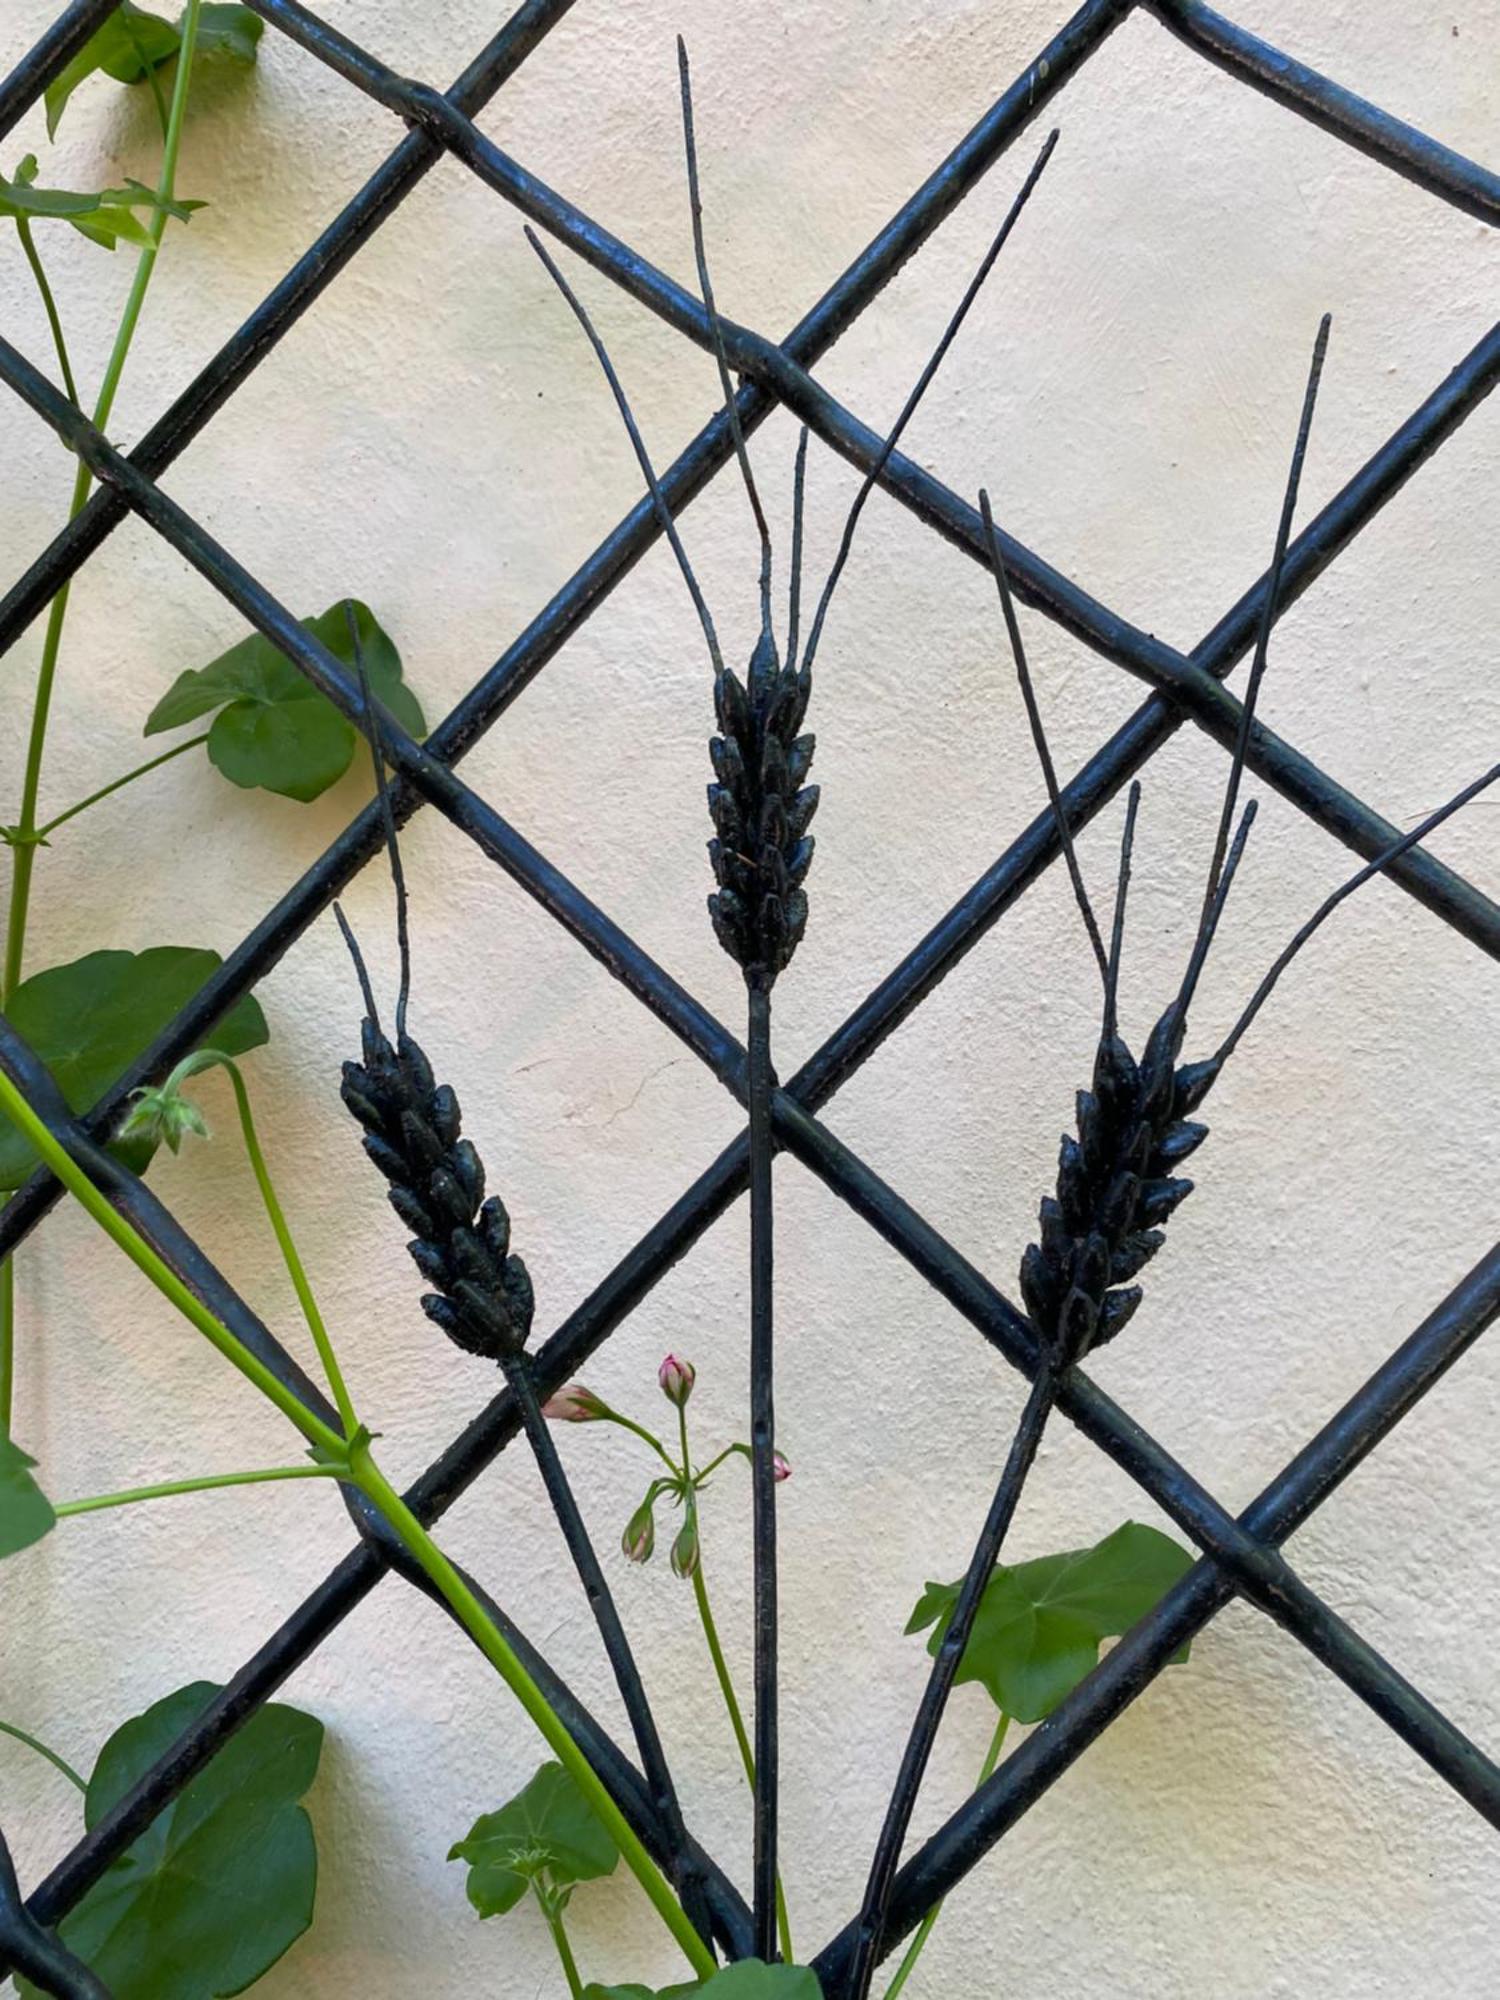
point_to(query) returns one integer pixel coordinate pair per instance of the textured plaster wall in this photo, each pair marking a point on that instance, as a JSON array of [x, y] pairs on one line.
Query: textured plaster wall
[[435, 438]]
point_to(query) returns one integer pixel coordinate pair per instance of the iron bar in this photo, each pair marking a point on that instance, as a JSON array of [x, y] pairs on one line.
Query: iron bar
[[1271, 1585], [54, 49], [1152, 725], [762, 1468], [1359, 124], [34, 1951], [434, 779]]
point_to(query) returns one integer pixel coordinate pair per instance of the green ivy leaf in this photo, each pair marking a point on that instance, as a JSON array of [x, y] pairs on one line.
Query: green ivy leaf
[[25, 1511], [223, 1880], [132, 42], [548, 1829], [129, 44], [89, 1020], [106, 218], [1040, 1623], [749, 1980], [274, 730]]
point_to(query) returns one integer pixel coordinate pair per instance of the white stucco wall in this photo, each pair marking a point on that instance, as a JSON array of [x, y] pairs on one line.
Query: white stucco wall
[[435, 438]]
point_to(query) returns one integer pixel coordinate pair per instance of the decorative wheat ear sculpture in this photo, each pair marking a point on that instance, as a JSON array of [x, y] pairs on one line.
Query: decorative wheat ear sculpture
[[760, 853], [460, 1237], [1117, 1183], [482, 1297]]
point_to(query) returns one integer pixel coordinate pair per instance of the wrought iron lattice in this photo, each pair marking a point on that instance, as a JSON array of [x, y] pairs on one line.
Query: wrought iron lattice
[[1240, 1556]]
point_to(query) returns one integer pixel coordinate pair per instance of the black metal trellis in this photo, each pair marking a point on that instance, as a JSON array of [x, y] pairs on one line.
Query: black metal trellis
[[1240, 1556]]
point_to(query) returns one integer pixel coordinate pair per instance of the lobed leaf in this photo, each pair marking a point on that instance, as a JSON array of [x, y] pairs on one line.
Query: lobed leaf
[[90, 1019], [223, 1880], [1040, 1623], [132, 42], [549, 1828], [25, 1511], [106, 218], [273, 728]]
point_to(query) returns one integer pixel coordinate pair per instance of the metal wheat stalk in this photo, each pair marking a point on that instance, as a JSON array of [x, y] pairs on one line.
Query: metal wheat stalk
[[483, 1297], [760, 853], [1115, 1185]]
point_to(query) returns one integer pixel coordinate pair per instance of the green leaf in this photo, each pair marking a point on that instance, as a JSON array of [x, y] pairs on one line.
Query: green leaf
[[223, 1880], [25, 1511], [548, 1829], [274, 730], [1040, 1623], [89, 1020], [129, 44], [232, 32], [749, 1980], [106, 218], [133, 42]]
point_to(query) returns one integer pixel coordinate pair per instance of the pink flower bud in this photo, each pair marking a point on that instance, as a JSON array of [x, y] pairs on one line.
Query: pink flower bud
[[676, 1378], [685, 1548], [780, 1469], [639, 1538], [573, 1404]]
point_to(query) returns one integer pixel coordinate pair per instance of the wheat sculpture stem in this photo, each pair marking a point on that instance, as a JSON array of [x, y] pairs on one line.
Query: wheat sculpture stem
[[1115, 1181], [483, 1300]]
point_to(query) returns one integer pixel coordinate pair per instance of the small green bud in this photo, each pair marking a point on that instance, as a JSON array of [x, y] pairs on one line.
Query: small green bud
[[163, 1114], [639, 1538], [676, 1378], [685, 1547]]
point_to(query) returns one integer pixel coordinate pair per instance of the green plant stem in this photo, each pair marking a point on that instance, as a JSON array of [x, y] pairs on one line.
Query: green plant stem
[[552, 1911], [472, 1616], [714, 1463], [741, 1734], [151, 77], [177, 750], [34, 1743], [356, 1464], [24, 858], [167, 1488], [721, 1672], [49, 305], [7, 1341], [18, 1109], [82, 483], [649, 1437], [296, 1270], [924, 1929]]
